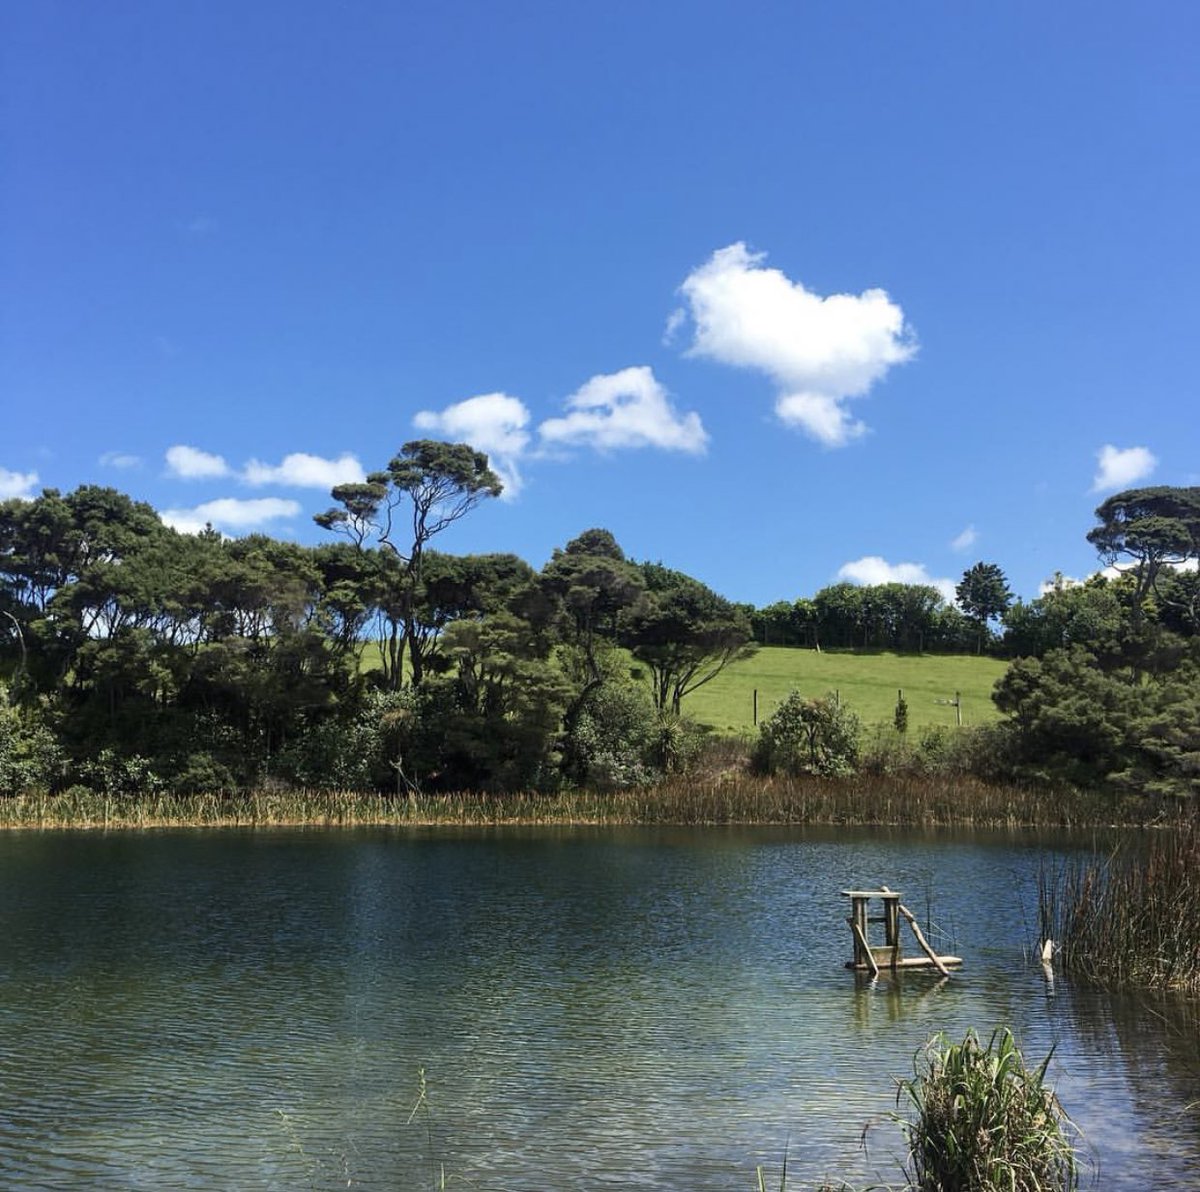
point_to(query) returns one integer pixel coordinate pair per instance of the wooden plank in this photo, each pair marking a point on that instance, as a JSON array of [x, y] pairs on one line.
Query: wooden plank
[[933, 956], [866, 950], [911, 962]]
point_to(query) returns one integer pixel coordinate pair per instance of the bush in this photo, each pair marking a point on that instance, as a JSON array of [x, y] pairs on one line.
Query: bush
[[203, 774], [609, 747], [808, 736], [110, 773], [368, 750], [30, 756], [984, 1120]]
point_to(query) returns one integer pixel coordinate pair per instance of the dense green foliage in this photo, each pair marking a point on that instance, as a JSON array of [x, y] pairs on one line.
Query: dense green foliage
[[134, 658], [983, 594], [892, 616], [809, 736]]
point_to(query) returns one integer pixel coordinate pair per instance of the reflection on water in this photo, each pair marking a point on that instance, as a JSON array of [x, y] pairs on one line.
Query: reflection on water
[[592, 1009]]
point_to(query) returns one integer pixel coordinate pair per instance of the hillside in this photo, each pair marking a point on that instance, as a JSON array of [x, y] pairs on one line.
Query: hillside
[[867, 683]]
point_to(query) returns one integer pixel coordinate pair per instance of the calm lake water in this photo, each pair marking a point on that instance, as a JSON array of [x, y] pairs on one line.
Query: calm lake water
[[590, 1009]]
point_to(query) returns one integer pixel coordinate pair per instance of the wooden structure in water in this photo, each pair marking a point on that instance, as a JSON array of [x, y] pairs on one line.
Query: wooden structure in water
[[871, 958]]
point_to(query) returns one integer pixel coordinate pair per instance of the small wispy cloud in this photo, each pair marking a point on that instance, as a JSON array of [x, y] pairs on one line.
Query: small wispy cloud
[[301, 470], [872, 570], [624, 409], [965, 540], [230, 513], [200, 225], [18, 485], [494, 423], [190, 463], [1119, 468], [820, 351], [120, 460]]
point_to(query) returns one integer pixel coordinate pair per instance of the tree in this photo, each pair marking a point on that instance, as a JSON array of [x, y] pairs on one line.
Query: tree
[[1144, 530], [438, 483], [591, 584], [1073, 720], [684, 633], [1094, 615], [983, 594]]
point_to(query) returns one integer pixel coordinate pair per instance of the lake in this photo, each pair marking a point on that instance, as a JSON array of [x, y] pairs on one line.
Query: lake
[[530, 1009]]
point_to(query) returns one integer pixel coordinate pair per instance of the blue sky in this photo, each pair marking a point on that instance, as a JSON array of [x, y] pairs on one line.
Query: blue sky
[[778, 293]]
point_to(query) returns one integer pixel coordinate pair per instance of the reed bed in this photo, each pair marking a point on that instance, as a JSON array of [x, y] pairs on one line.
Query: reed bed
[[1132, 919], [724, 799]]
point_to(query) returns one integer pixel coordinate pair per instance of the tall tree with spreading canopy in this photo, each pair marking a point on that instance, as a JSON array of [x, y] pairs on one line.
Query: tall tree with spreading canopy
[[1143, 530], [434, 484], [684, 633]]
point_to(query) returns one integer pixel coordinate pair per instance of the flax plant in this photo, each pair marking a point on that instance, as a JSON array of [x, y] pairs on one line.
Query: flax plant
[[984, 1121]]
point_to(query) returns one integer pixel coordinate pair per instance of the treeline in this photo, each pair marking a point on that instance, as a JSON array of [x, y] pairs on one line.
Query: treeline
[[1103, 688], [894, 616], [137, 657], [133, 657]]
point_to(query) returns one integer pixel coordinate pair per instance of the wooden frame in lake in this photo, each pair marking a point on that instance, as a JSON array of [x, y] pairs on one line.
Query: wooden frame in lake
[[871, 958]]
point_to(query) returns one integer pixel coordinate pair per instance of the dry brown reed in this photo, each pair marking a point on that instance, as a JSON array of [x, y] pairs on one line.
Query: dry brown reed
[[728, 798], [1132, 919]]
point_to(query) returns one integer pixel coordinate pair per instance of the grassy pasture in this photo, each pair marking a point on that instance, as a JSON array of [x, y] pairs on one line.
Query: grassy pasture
[[868, 683]]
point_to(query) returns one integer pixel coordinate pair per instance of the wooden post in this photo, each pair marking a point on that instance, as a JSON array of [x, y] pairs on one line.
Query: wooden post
[[958, 708], [756, 705]]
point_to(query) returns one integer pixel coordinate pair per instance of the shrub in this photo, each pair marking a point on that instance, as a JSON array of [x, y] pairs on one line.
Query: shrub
[[30, 756], [808, 736], [984, 1120], [610, 744], [203, 774]]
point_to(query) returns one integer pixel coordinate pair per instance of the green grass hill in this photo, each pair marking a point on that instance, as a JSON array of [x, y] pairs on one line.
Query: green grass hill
[[866, 682]]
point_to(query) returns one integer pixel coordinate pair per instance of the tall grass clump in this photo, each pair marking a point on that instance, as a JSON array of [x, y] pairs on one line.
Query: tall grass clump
[[983, 1120], [1132, 919]]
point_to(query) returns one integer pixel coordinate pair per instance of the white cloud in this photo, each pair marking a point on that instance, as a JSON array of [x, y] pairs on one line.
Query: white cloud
[[966, 539], [230, 513], [119, 459], [675, 320], [190, 463], [17, 484], [493, 423], [300, 470], [1121, 468], [819, 351], [871, 570], [625, 409]]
